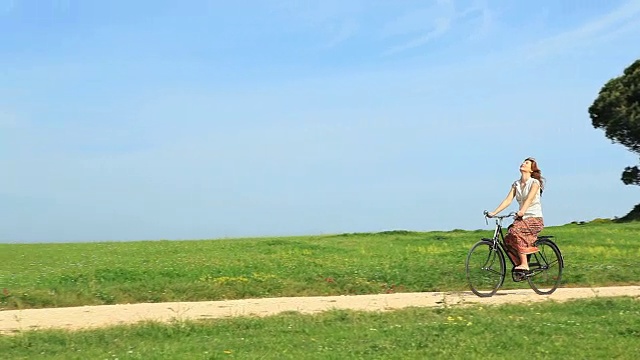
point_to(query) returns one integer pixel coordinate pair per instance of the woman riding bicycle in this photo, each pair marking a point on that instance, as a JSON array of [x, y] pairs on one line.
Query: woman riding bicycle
[[528, 221]]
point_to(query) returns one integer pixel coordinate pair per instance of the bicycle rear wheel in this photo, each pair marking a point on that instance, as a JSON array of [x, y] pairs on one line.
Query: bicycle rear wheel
[[485, 268], [545, 268]]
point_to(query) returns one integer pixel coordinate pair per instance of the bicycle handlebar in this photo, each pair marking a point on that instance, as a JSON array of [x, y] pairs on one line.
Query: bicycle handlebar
[[511, 214]]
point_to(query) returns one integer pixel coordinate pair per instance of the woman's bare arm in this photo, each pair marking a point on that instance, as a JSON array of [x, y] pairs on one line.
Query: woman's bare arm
[[506, 202]]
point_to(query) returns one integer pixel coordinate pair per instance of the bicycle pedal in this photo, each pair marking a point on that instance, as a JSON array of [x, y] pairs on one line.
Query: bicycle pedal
[[519, 275]]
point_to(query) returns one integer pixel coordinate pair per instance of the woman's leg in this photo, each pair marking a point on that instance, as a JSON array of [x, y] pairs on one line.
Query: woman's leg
[[524, 264], [527, 236], [511, 242]]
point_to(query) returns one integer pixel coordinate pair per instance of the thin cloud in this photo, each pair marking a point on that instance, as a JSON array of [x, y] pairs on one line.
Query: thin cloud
[[344, 31], [624, 17], [333, 19], [483, 13], [416, 21], [441, 26], [629, 26], [436, 22], [318, 12]]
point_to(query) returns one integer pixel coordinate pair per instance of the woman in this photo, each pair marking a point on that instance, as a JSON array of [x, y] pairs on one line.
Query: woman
[[529, 221]]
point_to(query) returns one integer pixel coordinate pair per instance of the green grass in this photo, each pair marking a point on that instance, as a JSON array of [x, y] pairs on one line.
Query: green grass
[[599, 328], [73, 274]]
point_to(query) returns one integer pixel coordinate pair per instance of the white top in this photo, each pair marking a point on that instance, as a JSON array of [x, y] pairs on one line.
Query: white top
[[535, 208]]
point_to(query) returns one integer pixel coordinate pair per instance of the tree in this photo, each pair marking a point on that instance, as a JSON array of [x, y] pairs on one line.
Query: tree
[[616, 110]]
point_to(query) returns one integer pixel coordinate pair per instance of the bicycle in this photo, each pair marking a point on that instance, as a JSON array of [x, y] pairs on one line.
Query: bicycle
[[486, 262]]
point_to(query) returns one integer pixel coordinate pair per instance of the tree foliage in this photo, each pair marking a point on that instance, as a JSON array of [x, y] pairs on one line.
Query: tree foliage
[[616, 110]]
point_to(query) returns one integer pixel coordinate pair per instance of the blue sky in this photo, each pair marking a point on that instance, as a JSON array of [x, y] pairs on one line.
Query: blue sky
[[142, 120]]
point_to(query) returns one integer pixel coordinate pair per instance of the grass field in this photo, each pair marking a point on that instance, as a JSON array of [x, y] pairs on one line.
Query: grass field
[[52, 275], [72, 274], [600, 328]]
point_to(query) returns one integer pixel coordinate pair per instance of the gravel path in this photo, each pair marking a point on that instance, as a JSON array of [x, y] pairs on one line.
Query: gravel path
[[86, 317]]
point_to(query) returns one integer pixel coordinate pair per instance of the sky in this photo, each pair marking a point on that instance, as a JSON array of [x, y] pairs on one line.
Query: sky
[[147, 120]]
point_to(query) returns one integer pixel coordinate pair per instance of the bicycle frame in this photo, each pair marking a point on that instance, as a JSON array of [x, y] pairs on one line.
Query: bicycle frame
[[498, 235]]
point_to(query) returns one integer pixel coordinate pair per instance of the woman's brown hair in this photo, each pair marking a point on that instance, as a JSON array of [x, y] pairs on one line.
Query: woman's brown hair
[[536, 173]]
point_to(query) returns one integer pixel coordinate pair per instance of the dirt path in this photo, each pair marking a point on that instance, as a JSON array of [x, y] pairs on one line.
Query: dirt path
[[85, 317]]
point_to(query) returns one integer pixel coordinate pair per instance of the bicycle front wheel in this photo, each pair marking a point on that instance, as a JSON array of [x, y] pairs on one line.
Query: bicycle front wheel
[[485, 268], [546, 268]]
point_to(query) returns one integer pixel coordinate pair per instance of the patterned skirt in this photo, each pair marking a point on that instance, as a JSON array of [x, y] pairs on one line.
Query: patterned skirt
[[522, 235]]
